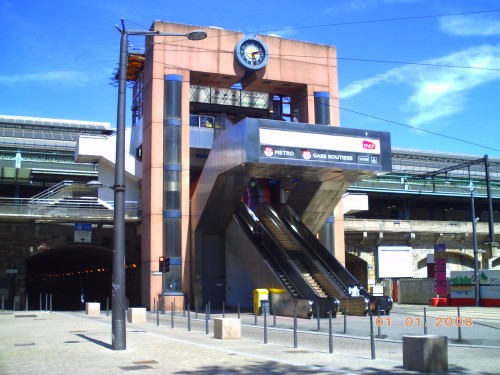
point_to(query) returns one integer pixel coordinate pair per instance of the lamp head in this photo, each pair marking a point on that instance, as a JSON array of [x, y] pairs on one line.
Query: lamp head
[[95, 184], [197, 35]]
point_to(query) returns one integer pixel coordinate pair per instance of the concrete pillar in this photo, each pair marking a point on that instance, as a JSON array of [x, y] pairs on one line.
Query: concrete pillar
[[322, 107]]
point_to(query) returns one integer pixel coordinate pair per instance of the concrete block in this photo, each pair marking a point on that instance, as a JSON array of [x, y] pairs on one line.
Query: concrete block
[[92, 308], [427, 353], [136, 315], [227, 328]]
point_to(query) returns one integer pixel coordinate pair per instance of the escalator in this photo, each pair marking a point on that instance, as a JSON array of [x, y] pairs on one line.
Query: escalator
[[223, 271], [276, 249], [336, 271], [306, 269]]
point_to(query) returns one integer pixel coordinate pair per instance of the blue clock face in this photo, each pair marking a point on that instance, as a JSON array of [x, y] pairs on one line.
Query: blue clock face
[[251, 54]]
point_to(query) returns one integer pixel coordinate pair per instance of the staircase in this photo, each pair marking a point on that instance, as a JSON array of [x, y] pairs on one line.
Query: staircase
[[292, 248], [67, 199], [310, 279]]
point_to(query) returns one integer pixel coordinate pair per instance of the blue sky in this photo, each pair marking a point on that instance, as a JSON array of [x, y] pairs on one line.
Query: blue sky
[[432, 82]]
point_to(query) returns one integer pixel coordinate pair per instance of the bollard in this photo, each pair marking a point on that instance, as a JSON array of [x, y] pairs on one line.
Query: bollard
[[345, 321], [50, 302], [379, 329], [172, 305], [295, 327], [274, 311], [196, 310], [317, 316], [46, 302], [107, 306], [174, 308], [154, 302], [3, 302], [223, 309], [238, 310], [255, 319], [425, 321], [206, 319], [189, 317], [330, 332], [459, 325], [208, 310], [265, 326], [372, 338], [26, 302], [158, 313]]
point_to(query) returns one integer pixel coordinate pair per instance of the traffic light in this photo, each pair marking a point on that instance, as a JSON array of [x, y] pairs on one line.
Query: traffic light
[[167, 264], [162, 264]]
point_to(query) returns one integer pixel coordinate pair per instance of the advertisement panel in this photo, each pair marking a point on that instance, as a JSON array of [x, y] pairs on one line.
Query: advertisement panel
[[440, 285], [283, 144], [462, 291], [394, 262]]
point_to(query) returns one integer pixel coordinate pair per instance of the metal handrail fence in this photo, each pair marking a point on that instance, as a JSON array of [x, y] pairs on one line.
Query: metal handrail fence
[[91, 208]]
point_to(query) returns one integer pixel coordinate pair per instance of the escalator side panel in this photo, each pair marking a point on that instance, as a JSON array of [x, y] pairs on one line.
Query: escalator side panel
[[308, 278], [319, 252], [249, 268]]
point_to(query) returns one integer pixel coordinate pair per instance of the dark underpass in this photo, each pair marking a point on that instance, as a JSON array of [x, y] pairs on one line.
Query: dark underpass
[[72, 275]]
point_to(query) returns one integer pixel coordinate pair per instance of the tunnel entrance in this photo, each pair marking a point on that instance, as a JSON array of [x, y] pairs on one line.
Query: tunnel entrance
[[358, 268], [73, 275]]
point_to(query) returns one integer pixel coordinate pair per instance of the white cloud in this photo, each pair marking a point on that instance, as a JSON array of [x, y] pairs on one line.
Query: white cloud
[[55, 78], [470, 25], [437, 91]]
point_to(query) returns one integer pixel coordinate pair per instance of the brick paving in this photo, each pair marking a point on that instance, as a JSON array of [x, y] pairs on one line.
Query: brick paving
[[34, 342]]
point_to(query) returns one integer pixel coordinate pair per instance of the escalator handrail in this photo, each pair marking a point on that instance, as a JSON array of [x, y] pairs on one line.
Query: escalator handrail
[[276, 256], [340, 273], [286, 264], [312, 259], [265, 209]]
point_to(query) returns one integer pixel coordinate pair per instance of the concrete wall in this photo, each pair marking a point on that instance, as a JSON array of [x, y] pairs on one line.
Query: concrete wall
[[304, 67], [415, 291]]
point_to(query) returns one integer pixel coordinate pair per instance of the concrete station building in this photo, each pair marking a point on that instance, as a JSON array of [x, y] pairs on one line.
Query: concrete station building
[[217, 122]]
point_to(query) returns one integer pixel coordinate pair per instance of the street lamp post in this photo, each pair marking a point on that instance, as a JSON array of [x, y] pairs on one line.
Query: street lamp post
[[474, 244], [118, 282]]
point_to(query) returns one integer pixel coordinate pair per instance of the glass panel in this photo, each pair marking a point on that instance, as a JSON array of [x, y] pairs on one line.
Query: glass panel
[[172, 143], [194, 120], [172, 230], [173, 280], [172, 190]]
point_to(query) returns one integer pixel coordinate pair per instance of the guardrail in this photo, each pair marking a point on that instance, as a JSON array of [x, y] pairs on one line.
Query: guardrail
[[56, 209], [423, 187]]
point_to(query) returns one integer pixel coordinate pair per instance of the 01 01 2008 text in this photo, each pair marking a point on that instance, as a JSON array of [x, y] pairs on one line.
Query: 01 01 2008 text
[[438, 321]]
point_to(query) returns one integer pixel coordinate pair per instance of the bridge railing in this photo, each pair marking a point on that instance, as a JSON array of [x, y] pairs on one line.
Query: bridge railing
[[90, 208]]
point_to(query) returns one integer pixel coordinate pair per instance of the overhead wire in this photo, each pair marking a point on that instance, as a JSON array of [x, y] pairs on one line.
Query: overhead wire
[[393, 122], [415, 128], [201, 50], [382, 61], [382, 20], [359, 22]]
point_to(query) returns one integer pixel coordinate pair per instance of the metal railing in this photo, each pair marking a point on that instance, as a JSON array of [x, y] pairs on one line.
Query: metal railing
[[69, 208], [423, 186]]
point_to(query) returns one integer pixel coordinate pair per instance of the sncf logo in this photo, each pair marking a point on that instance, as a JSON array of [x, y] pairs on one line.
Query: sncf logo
[[369, 145]]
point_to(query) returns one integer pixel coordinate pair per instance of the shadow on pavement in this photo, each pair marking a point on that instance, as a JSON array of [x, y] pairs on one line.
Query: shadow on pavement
[[98, 342]]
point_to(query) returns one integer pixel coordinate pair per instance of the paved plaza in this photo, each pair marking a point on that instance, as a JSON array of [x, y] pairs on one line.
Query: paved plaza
[[41, 342]]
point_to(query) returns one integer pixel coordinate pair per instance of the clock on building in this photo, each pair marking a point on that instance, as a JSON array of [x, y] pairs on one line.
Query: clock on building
[[251, 54]]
